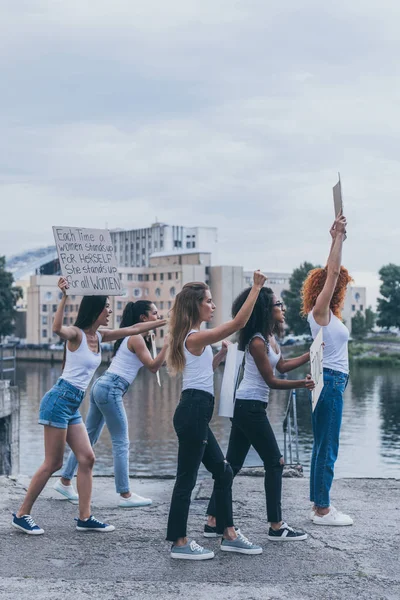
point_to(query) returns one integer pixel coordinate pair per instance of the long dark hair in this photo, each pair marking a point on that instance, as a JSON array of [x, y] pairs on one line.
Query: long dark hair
[[261, 319], [89, 311], [131, 315], [185, 314]]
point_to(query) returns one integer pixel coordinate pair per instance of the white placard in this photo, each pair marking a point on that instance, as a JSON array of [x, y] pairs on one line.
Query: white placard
[[234, 359], [154, 352], [87, 261], [316, 361], [338, 197]]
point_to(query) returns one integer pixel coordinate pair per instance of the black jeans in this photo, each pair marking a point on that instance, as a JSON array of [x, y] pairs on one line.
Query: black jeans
[[251, 427], [197, 444]]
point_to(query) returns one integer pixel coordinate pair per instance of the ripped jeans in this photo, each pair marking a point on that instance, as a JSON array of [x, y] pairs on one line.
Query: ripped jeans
[[197, 445]]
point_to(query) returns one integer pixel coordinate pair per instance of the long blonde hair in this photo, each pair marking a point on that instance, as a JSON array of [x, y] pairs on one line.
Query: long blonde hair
[[183, 316]]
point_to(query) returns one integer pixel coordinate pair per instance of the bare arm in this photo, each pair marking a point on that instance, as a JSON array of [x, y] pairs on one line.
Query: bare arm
[[221, 355], [197, 341], [70, 333], [321, 310], [137, 345], [289, 364], [257, 350], [110, 335]]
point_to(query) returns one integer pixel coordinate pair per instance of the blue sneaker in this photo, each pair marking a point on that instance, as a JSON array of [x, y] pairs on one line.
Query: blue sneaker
[[241, 545], [26, 524], [92, 524], [191, 551]]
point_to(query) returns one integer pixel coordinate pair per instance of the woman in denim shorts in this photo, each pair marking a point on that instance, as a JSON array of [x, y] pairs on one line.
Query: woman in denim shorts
[[106, 402], [59, 408], [323, 294]]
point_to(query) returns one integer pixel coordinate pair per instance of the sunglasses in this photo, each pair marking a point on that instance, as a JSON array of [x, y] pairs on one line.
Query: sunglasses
[[280, 304]]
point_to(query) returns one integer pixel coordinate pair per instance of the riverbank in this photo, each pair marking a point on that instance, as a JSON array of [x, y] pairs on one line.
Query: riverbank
[[368, 352], [359, 562]]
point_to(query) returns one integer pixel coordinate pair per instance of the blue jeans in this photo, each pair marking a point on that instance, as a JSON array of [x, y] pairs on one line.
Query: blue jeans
[[107, 407], [326, 422]]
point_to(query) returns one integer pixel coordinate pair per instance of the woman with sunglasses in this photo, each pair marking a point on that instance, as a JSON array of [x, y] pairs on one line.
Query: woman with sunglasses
[[250, 424]]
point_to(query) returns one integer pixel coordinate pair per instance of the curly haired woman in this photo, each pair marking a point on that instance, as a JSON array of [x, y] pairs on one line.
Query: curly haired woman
[[323, 294]]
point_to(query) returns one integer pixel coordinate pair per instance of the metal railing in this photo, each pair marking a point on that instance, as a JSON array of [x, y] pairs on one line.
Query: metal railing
[[8, 362], [291, 431]]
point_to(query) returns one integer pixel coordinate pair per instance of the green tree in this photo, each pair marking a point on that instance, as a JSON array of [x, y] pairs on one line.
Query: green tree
[[8, 299], [358, 325], [370, 318], [292, 299], [389, 304]]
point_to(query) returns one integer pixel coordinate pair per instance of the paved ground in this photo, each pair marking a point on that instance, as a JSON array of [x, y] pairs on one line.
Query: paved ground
[[359, 562]]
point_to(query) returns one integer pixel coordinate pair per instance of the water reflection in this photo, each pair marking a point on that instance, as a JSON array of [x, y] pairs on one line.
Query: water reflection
[[370, 440]]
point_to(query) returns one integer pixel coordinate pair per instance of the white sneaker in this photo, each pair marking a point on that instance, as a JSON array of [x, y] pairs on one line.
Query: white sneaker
[[133, 501], [334, 518], [67, 491], [312, 513]]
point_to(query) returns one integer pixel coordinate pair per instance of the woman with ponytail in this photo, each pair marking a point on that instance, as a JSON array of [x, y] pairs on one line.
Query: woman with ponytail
[[59, 408], [190, 353], [106, 402]]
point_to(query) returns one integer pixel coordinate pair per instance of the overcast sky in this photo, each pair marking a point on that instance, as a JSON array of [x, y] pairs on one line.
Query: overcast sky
[[231, 113]]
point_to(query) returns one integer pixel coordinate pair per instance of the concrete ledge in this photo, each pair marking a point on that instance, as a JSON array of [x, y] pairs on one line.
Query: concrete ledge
[[358, 562], [9, 429]]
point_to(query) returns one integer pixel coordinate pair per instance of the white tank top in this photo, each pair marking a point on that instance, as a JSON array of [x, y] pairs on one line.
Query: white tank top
[[253, 386], [80, 365], [125, 363], [336, 337], [198, 373]]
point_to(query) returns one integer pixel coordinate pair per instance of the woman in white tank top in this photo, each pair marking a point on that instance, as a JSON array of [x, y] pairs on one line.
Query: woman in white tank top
[[106, 402], [250, 424], [59, 408], [190, 353], [323, 294]]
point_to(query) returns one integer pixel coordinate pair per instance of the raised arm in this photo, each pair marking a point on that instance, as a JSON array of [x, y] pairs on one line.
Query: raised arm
[[137, 345], [321, 310], [197, 341], [71, 333], [257, 350], [110, 335]]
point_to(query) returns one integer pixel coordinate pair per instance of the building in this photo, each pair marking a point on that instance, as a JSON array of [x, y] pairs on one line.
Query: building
[[134, 247], [356, 300]]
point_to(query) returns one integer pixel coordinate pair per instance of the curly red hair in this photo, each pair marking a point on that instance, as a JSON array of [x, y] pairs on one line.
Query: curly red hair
[[313, 285]]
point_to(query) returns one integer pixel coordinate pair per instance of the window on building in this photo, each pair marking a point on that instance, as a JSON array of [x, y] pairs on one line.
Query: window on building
[[146, 277], [161, 305], [188, 244], [44, 307], [119, 317], [172, 292], [154, 276], [140, 277], [361, 306], [65, 321], [60, 295], [137, 292], [130, 277], [158, 292], [169, 275], [357, 297], [353, 307], [119, 305], [44, 333], [44, 320], [71, 320], [49, 296], [161, 276], [169, 304], [76, 307]]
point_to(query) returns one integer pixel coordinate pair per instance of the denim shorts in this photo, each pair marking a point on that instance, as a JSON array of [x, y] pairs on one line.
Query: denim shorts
[[60, 406]]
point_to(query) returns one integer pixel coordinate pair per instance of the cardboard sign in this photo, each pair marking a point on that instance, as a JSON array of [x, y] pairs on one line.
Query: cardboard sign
[[234, 359], [154, 352], [316, 361], [87, 261], [337, 197]]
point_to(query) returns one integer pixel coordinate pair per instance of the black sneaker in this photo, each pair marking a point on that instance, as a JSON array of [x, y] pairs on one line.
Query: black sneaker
[[286, 534], [211, 532]]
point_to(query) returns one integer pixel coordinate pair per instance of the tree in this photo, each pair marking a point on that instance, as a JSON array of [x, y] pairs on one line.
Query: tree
[[389, 304], [358, 325], [8, 299], [370, 318], [292, 300]]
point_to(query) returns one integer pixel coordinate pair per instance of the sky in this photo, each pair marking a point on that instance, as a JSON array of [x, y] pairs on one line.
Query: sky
[[229, 113]]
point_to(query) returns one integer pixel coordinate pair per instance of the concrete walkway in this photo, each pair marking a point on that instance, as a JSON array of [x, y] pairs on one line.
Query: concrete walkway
[[359, 562]]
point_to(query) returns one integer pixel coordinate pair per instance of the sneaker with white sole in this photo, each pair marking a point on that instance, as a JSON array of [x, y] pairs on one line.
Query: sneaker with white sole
[[26, 524], [92, 524], [333, 518], [67, 491], [241, 545], [286, 534], [133, 501], [191, 551]]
